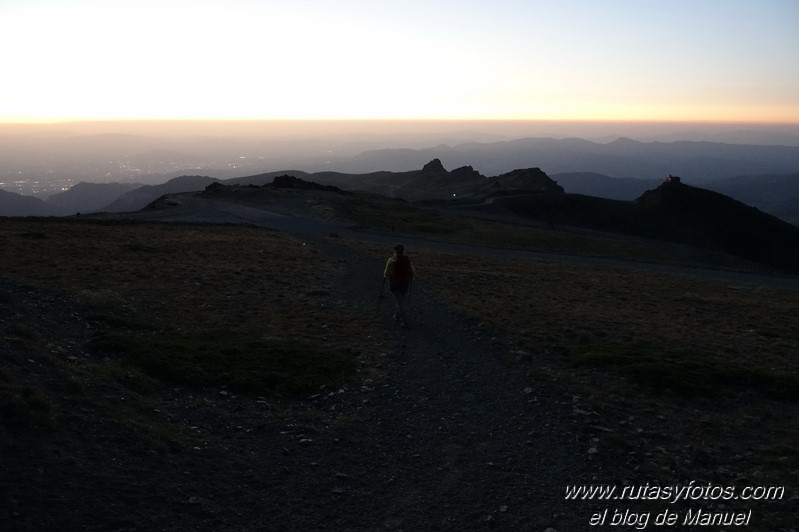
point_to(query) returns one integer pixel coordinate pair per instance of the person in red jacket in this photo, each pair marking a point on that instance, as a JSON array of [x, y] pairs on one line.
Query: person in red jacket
[[399, 272]]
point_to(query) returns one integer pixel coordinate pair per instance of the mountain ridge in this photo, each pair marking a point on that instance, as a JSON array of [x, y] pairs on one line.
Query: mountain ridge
[[699, 161], [671, 212], [86, 197], [13, 204]]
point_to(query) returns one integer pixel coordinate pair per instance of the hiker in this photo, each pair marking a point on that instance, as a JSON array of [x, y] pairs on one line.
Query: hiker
[[399, 272]]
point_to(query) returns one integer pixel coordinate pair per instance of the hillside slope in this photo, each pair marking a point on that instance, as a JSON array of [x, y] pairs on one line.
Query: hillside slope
[[623, 157], [142, 196], [673, 212], [12, 204], [777, 194], [701, 217], [89, 197]]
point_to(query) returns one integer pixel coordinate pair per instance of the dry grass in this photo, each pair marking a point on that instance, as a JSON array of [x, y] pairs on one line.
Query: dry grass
[[402, 218], [541, 303], [161, 282], [692, 379], [183, 277]]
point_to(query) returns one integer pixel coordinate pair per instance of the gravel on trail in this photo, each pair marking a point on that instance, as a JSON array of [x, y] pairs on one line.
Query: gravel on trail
[[452, 437]]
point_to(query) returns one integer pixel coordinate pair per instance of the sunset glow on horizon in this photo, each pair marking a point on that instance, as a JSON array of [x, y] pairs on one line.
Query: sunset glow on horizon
[[714, 61]]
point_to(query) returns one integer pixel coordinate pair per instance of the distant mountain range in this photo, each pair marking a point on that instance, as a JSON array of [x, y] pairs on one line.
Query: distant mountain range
[[766, 177], [433, 181], [12, 204], [699, 162], [672, 212], [140, 197], [90, 197]]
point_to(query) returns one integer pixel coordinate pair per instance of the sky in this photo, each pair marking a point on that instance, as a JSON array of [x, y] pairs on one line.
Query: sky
[[633, 60]]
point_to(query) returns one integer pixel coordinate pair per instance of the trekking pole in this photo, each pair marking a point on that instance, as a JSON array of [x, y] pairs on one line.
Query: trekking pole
[[380, 296], [410, 290]]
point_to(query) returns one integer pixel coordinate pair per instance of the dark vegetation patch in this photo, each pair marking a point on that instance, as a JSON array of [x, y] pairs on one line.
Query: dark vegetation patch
[[102, 318], [174, 276], [159, 295], [240, 361], [684, 371], [396, 216], [22, 405], [150, 364], [684, 377]]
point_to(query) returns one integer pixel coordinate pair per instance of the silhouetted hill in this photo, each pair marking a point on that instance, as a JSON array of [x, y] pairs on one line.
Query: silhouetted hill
[[563, 209], [700, 217], [530, 179], [89, 197], [95, 197], [292, 182], [12, 204], [143, 196], [673, 212], [264, 179], [386, 183], [434, 182], [280, 182], [775, 194]]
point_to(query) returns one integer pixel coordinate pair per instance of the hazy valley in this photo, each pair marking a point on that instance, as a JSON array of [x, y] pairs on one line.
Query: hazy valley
[[47, 165]]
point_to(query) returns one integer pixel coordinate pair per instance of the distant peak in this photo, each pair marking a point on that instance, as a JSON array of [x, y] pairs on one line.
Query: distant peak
[[533, 179], [290, 181], [434, 167], [465, 172], [624, 140]]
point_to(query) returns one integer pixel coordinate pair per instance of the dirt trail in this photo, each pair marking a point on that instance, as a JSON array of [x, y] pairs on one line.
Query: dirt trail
[[456, 439], [449, 439]]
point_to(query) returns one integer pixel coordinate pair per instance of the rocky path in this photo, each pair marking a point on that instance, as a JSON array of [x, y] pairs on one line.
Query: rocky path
[[454, 438]]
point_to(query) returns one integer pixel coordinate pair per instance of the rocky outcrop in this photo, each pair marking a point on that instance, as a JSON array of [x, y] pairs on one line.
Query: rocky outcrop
[[289, 181], [279, 182], [532, 179], [434, 167], [466, 172]]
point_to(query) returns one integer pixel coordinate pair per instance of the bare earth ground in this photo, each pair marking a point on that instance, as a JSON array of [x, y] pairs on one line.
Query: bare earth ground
[[442, 436], [476, 418]]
